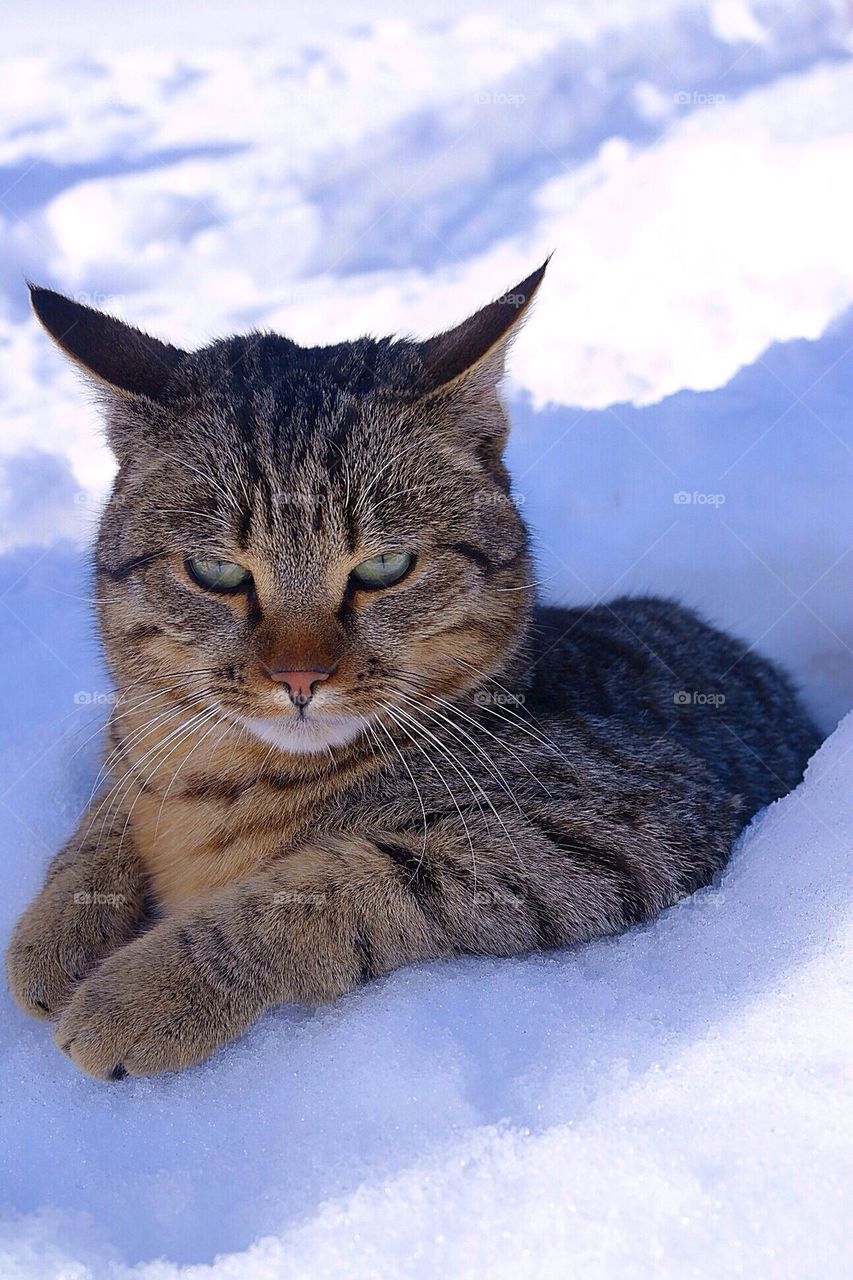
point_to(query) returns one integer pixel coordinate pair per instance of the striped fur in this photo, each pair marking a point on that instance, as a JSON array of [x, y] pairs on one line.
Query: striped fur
[[478, 775]]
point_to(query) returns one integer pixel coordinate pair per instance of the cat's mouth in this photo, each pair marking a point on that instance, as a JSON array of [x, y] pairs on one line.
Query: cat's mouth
[[306, 732]]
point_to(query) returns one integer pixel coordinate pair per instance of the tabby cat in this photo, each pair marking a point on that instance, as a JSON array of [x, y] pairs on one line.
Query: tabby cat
[[344, 738]]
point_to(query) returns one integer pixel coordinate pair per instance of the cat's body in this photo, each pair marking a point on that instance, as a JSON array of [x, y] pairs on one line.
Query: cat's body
[[352, 743]]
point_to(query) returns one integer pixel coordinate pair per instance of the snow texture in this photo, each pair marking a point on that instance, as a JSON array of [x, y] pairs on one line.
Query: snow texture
[[673, 1102]]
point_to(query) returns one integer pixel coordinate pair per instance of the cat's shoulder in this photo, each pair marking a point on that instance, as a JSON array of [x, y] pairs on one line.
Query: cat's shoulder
[[624, 615]]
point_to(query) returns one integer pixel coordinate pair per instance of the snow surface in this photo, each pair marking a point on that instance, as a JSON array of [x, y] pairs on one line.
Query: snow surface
[[674, 1102]]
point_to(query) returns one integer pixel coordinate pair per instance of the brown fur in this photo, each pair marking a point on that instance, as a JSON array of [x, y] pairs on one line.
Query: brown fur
[[465, 779]]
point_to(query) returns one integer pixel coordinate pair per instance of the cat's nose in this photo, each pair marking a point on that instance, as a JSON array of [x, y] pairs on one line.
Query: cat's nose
[[299, 684]]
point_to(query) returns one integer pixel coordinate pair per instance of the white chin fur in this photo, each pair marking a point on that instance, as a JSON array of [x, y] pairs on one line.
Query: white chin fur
[[304, 737]]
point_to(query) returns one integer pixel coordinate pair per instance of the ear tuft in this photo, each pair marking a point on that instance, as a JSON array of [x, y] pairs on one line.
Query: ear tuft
[[480, 342], [125, 359]]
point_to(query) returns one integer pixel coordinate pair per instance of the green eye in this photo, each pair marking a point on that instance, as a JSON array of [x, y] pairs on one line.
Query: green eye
[[383, 570], [217, 575]]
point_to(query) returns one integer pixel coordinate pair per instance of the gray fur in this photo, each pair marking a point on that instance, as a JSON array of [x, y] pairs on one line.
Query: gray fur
[[528, 777]]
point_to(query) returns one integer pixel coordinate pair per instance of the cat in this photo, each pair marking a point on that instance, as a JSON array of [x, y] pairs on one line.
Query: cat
[[345, 736]]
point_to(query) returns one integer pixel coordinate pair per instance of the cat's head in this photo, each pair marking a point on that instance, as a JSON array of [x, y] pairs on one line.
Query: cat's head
[[303, 538]]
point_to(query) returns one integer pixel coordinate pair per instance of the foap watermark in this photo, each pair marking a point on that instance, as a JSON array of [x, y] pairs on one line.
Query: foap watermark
[[697, 98], [296, 897], [101, 301], [497, 898], [498, 698], [486, 99], [93, 898], [295, 498], [494, 498], [699, 698], [695, 498], [290, 299], [94, 698]]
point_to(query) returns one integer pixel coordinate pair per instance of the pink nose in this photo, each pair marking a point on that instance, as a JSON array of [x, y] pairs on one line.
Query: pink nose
[[299, 684]]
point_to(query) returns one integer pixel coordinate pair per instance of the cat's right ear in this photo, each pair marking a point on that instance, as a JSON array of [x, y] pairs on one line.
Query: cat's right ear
[[471, 356], [122, 359]]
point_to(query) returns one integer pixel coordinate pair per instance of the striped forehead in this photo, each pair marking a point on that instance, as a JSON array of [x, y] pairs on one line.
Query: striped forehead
[[301, 468], [299, 510], [321, 474]]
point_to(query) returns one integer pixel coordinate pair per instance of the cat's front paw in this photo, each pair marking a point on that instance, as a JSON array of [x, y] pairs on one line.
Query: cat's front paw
[[60, 938], [144, 1011]]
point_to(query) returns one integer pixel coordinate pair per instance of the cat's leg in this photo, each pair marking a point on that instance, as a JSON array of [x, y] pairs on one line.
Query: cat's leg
[[349, 908], [92, 901], [309, 928]]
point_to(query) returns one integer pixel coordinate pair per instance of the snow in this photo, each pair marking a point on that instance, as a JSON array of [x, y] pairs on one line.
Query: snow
[[674, 1102]]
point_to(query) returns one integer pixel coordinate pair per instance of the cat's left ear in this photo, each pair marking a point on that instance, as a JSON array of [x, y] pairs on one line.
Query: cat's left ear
[[121, 358], [472, 356]]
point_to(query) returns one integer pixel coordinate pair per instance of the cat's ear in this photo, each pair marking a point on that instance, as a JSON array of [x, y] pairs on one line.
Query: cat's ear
[[122, 358], [473, 354]]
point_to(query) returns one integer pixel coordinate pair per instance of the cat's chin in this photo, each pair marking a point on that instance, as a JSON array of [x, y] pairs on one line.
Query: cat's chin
[[304, 737]]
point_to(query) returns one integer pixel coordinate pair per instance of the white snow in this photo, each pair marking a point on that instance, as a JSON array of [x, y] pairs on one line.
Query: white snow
[[675, 1102]]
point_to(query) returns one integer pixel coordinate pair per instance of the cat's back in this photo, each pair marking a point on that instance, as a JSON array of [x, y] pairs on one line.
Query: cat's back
[[656, 666]]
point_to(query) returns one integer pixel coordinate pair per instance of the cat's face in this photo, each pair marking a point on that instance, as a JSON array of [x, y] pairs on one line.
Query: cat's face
[[312, 542]]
